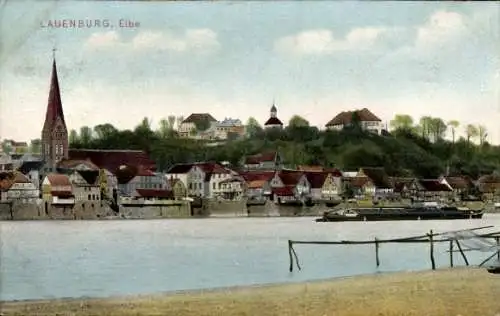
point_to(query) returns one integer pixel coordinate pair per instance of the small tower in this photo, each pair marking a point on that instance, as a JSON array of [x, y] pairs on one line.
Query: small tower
[[274, 111], [54, 133], [273, 121]]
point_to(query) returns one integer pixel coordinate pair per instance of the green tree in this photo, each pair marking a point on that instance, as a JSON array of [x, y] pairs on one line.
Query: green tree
[[298, 121], [401, 121], [36, 146], [453, 125]]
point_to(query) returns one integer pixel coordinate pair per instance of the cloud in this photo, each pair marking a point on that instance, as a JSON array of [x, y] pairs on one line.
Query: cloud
[[322, 41], [443, 28], [196, 40]]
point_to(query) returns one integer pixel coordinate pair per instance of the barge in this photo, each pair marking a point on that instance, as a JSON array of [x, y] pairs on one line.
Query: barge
[[400, 213]]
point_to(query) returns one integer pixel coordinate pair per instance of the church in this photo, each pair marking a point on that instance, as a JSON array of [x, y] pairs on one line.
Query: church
[[55, 142]]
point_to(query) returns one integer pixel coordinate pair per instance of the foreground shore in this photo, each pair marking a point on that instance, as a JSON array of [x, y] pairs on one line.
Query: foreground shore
[[447, 292]]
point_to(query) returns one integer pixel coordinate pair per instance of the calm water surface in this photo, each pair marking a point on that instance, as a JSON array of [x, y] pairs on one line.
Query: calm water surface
[[54, 259]]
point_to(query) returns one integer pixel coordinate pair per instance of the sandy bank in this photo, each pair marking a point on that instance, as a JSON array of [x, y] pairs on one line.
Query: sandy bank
[[444, 292]]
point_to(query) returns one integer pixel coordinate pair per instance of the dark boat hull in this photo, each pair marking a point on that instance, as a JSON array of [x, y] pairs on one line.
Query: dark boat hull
[[400, 215]]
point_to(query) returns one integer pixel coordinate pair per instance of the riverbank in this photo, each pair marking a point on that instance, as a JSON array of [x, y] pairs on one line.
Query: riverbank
[[458, 291]]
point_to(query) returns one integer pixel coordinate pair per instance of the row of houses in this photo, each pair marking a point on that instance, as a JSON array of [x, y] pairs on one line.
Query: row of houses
[[119, 175]]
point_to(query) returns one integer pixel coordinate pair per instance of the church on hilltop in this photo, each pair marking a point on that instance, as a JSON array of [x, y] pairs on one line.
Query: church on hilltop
[[55, 142]]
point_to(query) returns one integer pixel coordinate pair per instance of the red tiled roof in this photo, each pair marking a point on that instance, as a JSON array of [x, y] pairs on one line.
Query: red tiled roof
[[151, 193], [284, 191], [290, 177], [359, 182], [56, 179], [259, 158], [316, 179], [113, 159], [345, 117], [257, 175], [273, 121], [434, 185], [458, 182], [198, 117]]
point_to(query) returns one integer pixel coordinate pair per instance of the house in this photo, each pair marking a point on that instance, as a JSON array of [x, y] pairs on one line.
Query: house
[[86, 186], [459, 185], [257, 184], [189, 127], [289, 185], [402, 187], [131, 178], [379, 178], [212, 174], [264, 161], [273, 121], [232, 189], [177, 187], [17, 187], [366, 119], [33, 170], [227, 129], [180, 172], [325, 185], [489, 186], [431, 190], [15, 147], [360, 188], [110, 161], [57, 189]]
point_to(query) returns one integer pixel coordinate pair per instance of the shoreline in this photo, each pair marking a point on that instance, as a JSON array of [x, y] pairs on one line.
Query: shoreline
[[461, 290]]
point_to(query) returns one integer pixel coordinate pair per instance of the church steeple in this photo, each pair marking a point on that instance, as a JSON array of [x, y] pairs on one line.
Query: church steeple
[[54, 133]]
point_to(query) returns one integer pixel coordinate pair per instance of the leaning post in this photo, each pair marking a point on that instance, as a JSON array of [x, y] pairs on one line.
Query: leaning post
[[431, 240], [377, 259], [451, 253]]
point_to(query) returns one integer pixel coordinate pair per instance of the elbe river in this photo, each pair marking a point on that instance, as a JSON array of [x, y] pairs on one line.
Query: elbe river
[[56, 259]]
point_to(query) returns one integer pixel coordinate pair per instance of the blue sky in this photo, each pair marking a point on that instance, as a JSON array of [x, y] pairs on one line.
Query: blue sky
[[232, 59]]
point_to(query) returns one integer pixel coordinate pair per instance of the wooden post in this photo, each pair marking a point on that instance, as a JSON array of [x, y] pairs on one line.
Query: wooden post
[[290, 255], [451, 253], [431, 240], [462, 252], [498, 249], [377, 260]]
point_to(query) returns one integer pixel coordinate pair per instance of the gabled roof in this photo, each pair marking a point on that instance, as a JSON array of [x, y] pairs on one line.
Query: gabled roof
[[378, 177], [359, 182], [290, 177], [316, 179], [199, 117], [345, 117], [56, 179], [273, 121], [90, 176], [458, 183], [261, 157], [256, 184], [434, 185], [250, 176], [112, 160], [28, 166]]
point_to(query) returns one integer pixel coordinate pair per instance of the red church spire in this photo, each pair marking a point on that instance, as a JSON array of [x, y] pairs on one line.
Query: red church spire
[[54, 106], [54, 133]]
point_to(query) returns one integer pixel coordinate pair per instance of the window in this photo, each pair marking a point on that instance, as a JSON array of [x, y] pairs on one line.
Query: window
[[89, 197], [213, 185]]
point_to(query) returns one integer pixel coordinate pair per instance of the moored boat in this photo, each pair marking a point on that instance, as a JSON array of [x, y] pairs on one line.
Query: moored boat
[[400, 213]]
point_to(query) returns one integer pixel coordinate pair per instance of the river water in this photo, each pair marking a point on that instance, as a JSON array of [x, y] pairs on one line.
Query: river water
[[55, 259]]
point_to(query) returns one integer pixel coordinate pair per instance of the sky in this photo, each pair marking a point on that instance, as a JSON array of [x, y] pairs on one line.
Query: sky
[[233, 59]]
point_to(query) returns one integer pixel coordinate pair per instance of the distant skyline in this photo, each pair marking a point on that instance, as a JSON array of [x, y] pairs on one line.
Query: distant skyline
[[232, 59]]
